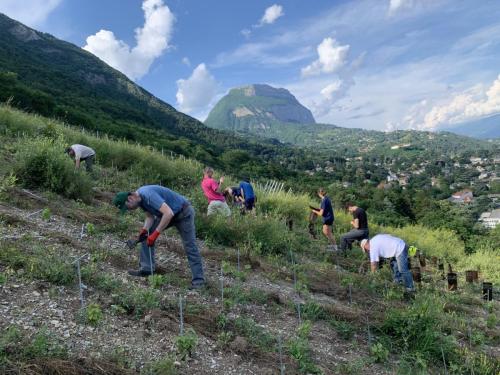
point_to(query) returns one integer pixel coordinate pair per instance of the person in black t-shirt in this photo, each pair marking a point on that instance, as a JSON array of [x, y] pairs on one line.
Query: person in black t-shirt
[[326, 211], [359, 229]]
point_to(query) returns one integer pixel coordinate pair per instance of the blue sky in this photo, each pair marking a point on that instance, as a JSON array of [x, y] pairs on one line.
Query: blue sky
[[376, 64]]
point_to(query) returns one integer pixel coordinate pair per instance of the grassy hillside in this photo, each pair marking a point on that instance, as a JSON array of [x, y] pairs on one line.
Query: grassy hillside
[[50, 77], [369, 330]]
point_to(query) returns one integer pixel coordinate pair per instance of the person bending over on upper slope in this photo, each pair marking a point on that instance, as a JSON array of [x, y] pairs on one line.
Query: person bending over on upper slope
[[82, 153], [387, 246]]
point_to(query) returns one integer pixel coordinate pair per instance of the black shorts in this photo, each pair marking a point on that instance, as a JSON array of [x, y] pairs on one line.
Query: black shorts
[[328, 222], [250, 204]]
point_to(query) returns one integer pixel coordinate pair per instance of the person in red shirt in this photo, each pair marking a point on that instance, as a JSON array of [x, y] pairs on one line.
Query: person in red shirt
[[213, 192]]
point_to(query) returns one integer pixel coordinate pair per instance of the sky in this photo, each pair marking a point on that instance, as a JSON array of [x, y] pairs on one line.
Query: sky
[[374, 64]]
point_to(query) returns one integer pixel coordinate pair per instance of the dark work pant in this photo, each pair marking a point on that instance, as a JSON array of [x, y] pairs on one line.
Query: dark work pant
[[89, 162], [184, 223], [353, 235]]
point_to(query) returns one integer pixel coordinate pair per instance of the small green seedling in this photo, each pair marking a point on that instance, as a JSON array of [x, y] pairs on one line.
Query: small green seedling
[[156, 281], [379, 352], [46, 214], [186, 344], [94, 314], [90, 229]]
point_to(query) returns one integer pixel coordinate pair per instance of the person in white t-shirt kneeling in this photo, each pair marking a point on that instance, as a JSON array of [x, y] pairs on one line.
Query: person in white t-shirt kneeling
[[82, 153], [387, 246]]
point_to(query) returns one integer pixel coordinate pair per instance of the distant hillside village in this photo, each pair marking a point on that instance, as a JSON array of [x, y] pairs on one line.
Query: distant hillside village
[[466, 178]]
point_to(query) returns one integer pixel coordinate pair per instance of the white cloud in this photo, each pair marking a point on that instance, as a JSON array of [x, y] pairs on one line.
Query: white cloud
[[197, 92], [152, 39], [29, 12], [472, 104], [246, 33], [271, 14], [185, 61], [331, 57], [397, 5], [329, 91]]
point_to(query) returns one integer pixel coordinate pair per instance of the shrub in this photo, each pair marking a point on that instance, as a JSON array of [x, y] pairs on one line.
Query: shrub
[[417, 329], [186, 343], [93, 314], [379, 352], [41, 163], [44, 344], [6, 184], [255, 334], [165, 366], [46, 214], [156, 281]]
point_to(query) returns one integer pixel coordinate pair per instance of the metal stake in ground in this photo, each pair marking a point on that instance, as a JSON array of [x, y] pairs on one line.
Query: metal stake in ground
[[280, 348], [350, 294], [150, 257], [82, 231], [81, 286], [369, 332], [294, 270], [222, 286], [444, 362], [181, 316], [298, 313], [238, 255]]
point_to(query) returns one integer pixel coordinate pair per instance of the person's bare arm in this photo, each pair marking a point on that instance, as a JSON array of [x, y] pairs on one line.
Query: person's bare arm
[[148, 222], [167, 215], [219, 189], [355, 223], [77, 163], [374, 266], [319, 212]]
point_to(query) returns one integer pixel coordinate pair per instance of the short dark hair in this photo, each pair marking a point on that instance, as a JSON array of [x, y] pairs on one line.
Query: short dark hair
[[349, 204], [67, 150], [322, 191]]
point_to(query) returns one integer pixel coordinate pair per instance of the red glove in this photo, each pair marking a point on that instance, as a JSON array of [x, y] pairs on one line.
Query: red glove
[[152, 238], [143, 235]]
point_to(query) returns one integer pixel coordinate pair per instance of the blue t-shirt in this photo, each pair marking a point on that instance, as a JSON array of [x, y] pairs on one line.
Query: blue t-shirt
[[326, 206], [247, 190], [153, 196]]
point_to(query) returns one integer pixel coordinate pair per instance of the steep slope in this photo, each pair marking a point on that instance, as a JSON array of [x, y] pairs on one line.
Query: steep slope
[[42, 74], [256, 109]]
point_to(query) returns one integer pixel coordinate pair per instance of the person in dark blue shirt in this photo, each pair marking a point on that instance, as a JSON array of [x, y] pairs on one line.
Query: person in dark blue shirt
[[163, 208], [326, 212], [248, 194]]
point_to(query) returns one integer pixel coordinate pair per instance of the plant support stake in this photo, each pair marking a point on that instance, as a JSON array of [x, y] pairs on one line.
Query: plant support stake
[[150, 257], [181, 316], [350, 294], [81, 286], [222, 286], [368, 331], [298, 313], [280, 348], [444, 362], [238, 259], [82, 231]]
